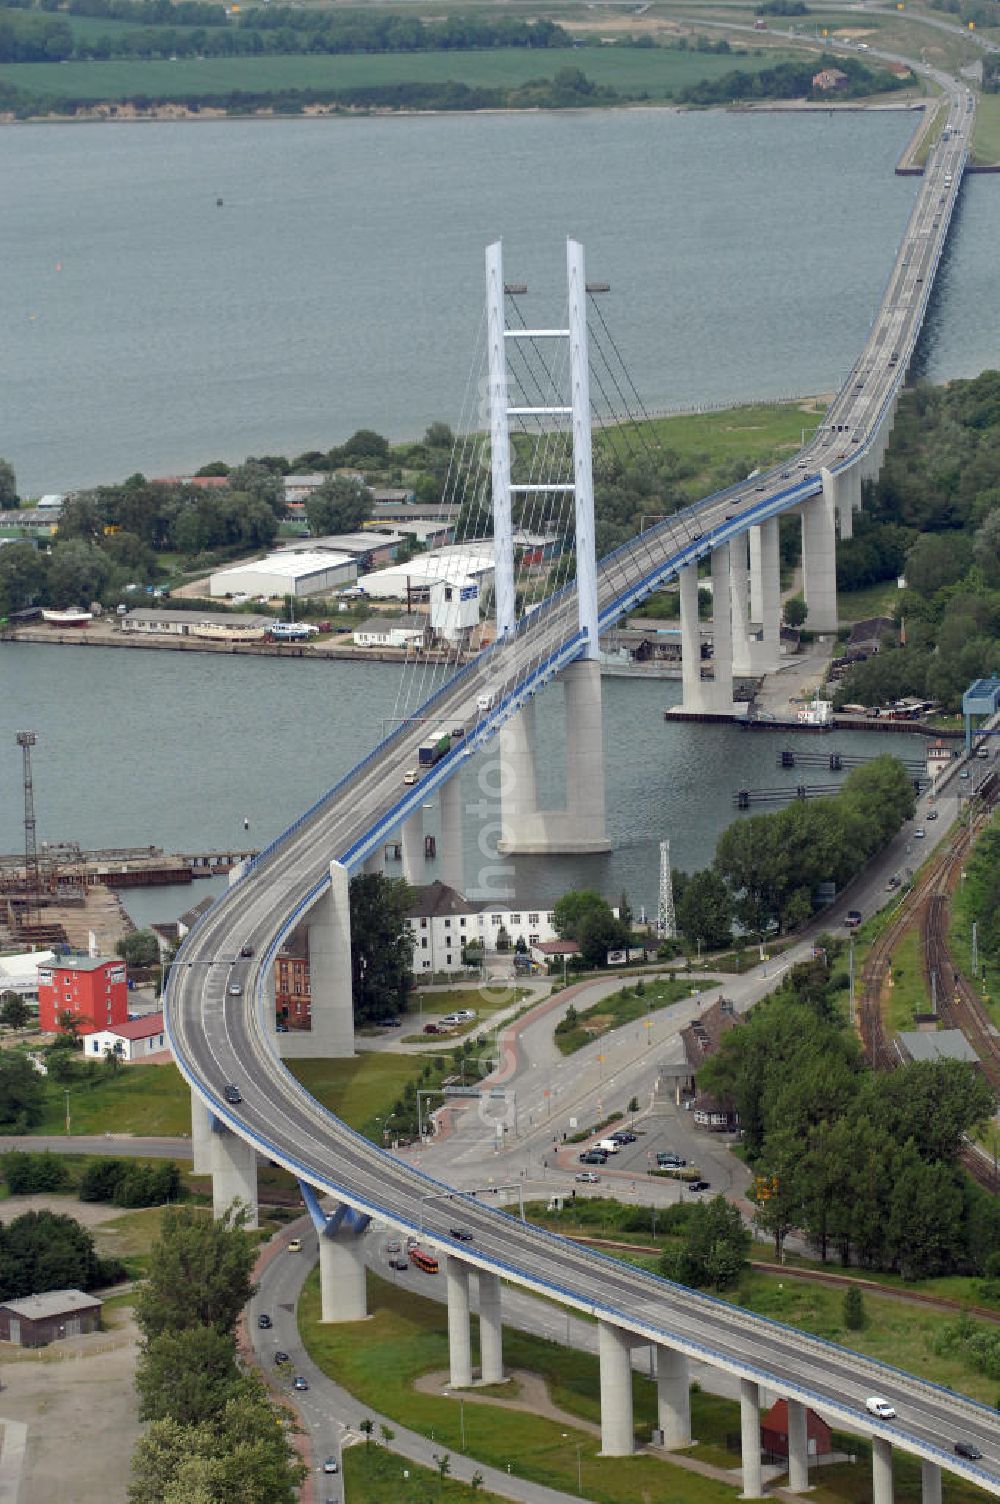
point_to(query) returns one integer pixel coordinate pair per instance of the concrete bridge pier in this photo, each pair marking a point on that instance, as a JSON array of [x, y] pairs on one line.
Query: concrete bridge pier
[[930, 1479], [693, 699], [459, 1333], [798, 1447], [819, 556], [411, 840], [753, 1478], [234, 1173], [580, 826], [881, 1471], [617, 1437], [450, 862], [673, 1396], [342, 1275], [722, 633], [491, 1329], [739, 584], [201, 1136], [765, 596], [331, 1035]]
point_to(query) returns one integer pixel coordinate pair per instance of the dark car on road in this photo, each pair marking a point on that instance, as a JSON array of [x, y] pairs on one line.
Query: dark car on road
[[233, 1093], [968, 1449], [299, 1382], [398, 1262], [593, 1157], [699, 1185], [281, 1357], [264, 1321], [461, 1233]]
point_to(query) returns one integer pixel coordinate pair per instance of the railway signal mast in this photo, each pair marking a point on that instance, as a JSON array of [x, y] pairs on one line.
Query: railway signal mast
[[32, 878]]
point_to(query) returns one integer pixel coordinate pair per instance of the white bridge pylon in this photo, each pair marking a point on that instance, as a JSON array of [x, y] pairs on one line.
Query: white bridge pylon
[[580, 826]]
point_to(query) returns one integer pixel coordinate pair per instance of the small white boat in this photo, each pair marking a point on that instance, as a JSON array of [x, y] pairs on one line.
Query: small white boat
[[71, 616]]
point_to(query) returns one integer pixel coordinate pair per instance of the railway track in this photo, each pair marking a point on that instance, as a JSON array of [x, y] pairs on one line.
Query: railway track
[[927, 905]]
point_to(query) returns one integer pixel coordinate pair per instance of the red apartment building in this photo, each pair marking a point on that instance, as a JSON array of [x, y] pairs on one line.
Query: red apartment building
[[93, 988], [292, 997]]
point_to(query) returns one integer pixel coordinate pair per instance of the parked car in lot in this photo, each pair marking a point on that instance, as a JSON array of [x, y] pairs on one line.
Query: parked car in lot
[[593, 1157], [876, 1405], [624, 1136], [667, 1159]]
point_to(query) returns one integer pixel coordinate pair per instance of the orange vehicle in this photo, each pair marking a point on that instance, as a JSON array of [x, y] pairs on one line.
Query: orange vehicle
[[425, 1261]]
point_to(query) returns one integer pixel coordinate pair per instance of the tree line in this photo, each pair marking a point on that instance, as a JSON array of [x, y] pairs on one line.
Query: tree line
[[212, 1434], [789, 80], [933, 518], [166, 31], [865, 1165], [767, 868]]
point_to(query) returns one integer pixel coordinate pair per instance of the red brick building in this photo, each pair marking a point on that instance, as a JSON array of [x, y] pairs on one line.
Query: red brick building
[[292, 997], [94, 989]]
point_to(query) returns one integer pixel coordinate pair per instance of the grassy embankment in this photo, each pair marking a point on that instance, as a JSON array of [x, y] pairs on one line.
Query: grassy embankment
[[620, 1008], [372, 1475], [486, 1001], [960, 937], [636, 73], [406, 1337], [986, 140]]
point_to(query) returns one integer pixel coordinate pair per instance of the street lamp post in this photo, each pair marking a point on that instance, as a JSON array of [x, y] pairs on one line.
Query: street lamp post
[[67, 1111]]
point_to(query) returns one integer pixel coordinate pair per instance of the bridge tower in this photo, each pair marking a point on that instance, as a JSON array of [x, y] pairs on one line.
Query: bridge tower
[[580, 826]]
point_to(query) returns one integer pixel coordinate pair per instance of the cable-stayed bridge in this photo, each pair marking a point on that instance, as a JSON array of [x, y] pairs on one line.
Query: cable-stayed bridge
[[220, 1001]]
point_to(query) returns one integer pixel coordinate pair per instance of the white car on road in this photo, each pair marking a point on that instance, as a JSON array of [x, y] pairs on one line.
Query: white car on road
[[875, 1405]]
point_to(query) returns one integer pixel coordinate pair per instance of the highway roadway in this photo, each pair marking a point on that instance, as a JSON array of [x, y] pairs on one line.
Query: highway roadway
[[219, 1038]]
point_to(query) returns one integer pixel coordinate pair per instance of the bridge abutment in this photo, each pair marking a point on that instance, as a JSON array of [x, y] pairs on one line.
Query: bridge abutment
[[617, 1438], [753, 1477], [673, 1396]]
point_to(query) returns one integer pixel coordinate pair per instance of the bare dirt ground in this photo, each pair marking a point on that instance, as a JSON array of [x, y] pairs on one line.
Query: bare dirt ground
[[79, 1405], [76, 1397]]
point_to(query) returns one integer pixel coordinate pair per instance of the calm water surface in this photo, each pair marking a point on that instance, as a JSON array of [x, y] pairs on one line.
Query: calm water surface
[[341, 283], [177, 749]]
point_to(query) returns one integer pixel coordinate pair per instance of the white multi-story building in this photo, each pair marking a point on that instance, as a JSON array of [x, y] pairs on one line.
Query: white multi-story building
[[442, 922]]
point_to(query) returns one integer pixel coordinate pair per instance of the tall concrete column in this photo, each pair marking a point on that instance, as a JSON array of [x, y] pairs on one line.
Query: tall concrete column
[[342, 1282], [673, 1396], [690, 639], [765, 596], [798, 1448], [722, 634], [459, 1335], [881, 1471], [738, 594], [518, 786], [490, 1329], [753, 1479], [585, 753], [234, 1174], [617, 1439], [329, 923], [451, 867], [201, 1136], [819, 556], [411, 838], [930, 1478]]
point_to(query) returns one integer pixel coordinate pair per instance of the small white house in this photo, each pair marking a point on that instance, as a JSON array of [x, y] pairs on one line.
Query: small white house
[[139, 1039], [391, 632]]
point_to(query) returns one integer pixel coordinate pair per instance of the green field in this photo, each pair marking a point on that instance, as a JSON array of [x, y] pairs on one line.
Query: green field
[[635, 72], [142, 1099], [406, 1336], [986, 141], [760, 432], [374, 1476], [621, 1008], [860, 605]]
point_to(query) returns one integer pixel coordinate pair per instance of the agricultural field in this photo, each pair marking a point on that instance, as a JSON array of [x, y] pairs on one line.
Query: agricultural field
[[656, 73]]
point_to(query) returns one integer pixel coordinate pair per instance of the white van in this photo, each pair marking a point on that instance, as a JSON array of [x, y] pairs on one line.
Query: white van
[[609, 1145], [486, 700]]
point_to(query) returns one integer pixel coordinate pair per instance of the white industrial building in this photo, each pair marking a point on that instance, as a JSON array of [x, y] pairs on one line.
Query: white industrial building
[[298, 572], [19, 973], [456, 565]]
